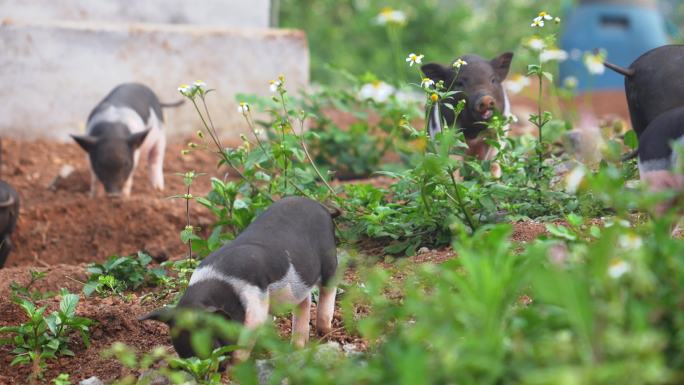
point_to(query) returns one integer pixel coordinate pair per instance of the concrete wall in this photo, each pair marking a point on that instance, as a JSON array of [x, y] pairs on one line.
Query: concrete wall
[[229, 13], [53, 73]]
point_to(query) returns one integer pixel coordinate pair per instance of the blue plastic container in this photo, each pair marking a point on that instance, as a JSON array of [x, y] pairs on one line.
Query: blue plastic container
[[624, 31]]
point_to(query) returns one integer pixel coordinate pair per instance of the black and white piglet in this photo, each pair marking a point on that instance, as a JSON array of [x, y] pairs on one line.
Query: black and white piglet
[[479, 83], [278, 259], [126, 124], [9, 212], [657, 160]]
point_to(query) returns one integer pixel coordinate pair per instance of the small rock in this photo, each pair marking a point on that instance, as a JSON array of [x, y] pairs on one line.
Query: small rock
[[60, 180], [423, 250], [264, 371], [152, 377], [91, 381], [349, 349]]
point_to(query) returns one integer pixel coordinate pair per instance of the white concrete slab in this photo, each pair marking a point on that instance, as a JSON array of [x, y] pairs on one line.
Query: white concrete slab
[[54, 73], [229, 13]]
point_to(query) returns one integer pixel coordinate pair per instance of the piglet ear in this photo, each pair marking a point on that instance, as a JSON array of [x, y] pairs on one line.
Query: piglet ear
[[435, 71], [163, 314], [86, 142], [502, 64], [137, 139]]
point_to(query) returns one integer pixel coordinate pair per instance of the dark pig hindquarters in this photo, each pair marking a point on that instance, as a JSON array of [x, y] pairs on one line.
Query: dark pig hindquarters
[[126, 124], [657, 159], [654, 83], [278, 259], [9, 212]]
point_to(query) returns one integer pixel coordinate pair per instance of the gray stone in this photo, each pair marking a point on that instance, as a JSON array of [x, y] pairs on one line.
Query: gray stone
[[91, 381], [264, 371], [53, 73]]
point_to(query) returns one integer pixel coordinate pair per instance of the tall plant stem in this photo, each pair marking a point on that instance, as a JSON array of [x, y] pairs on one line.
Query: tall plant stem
[[187, 220], [310, 158], [459, 200], [214, 137]]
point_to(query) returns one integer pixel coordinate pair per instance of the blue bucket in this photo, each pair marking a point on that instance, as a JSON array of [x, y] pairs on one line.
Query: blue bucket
[[625, 32]]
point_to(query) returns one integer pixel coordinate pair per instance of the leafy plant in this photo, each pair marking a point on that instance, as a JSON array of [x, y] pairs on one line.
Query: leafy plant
[[119, 274], [205, 370], [351, 127], [62, 379], [26, 292], [45, 337]]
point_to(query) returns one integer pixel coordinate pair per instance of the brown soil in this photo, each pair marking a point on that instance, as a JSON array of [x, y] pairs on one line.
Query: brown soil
[[61, 230], [64, 225]]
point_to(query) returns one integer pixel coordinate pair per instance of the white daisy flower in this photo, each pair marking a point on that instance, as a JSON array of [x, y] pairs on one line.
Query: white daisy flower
[[536, 44], [570, 82], [618, 268], [553, 54], [630, 242], [427, 83], [537, 23], [377, 91], [243, 108], [594, 63], [200, 85], [414, 59], [391, 16], [459, 63], [185, 90], [274, 85], [574, 179], [543, 16], [516, 83]]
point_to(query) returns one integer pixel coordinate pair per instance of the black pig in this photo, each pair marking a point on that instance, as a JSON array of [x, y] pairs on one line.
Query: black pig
[[279, 258], [657, 160], [479, 83], [9, 212], [126, 124], [654, 83]]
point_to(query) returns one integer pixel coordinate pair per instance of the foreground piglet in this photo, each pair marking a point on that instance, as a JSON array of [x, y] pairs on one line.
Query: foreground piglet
[[479, 83], [9, 212], [278, 259], [657, 159], [654, 83], [127, 124]]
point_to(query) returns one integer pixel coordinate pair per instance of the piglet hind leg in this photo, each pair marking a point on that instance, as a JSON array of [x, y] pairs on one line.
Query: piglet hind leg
[[155, 163], [326, 309], [300, 322]]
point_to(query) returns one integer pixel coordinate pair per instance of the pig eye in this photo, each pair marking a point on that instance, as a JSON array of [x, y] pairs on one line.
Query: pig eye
[[494, 80], [460, 83]]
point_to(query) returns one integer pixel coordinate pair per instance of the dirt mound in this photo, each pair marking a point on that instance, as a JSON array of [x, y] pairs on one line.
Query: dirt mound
[[60, 223]]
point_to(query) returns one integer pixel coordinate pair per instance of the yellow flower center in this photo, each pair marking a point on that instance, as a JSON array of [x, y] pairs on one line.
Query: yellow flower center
[[434, 97], [542, 14]]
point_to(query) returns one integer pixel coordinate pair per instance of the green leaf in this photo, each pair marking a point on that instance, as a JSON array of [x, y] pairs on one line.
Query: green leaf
[[68, 304], [631, 140]]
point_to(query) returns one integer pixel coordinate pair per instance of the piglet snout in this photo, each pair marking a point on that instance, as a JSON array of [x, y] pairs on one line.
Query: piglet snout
[[485, 106]]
